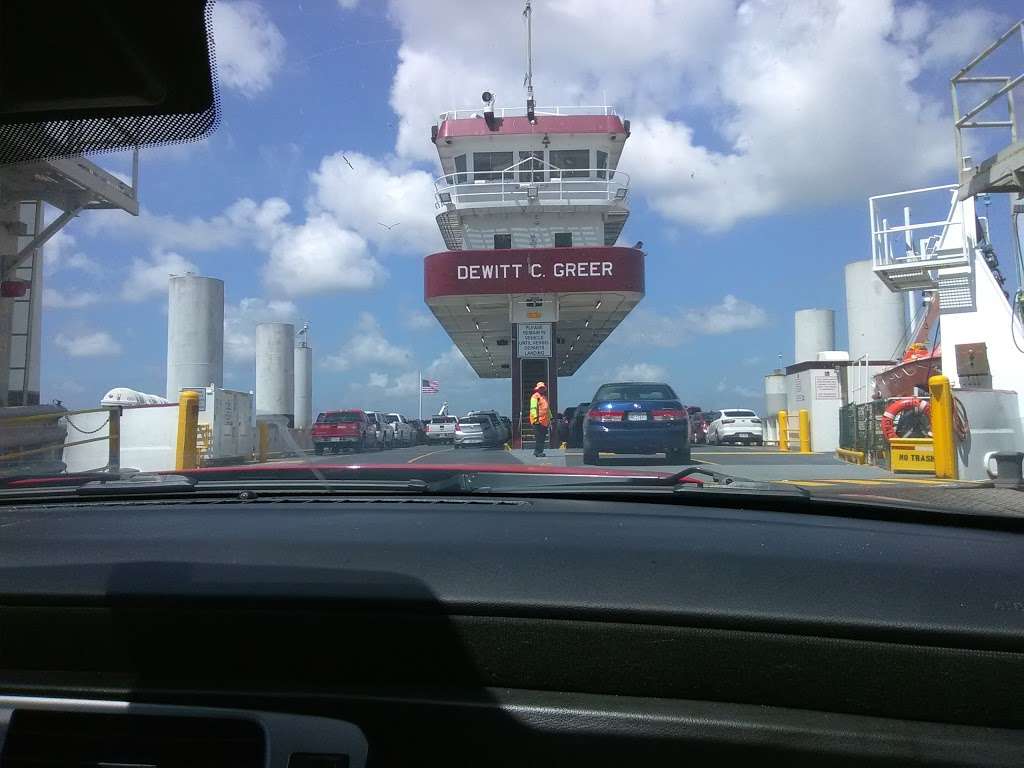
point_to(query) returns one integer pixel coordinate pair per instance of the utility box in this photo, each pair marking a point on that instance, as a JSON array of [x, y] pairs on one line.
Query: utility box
[[972, 366], [229, 415], [993, 424], [817, 387]]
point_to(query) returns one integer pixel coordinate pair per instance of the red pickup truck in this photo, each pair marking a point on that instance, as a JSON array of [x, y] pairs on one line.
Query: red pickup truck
[[351, 430]]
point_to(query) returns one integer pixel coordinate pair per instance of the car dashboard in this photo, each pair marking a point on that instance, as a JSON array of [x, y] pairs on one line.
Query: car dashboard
[[503, 631]]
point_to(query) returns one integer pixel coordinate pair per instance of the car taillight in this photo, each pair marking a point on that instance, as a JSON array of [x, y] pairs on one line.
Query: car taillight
[[606, 415], [668, 414], [728, 421]]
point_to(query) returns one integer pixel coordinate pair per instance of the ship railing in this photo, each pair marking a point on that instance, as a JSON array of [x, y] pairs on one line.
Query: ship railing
[[546, 186], [469, 113], [935, 243]]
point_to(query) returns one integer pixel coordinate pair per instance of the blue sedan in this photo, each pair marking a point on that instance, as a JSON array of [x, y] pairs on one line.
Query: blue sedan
[[636, 417]]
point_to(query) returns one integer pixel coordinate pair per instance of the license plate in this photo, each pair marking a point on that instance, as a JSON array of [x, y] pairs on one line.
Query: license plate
[[636, 416], [335, 439], [744, 434]]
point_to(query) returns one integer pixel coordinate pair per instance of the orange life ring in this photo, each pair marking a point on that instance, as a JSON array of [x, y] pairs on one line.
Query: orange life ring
[[898, 406]]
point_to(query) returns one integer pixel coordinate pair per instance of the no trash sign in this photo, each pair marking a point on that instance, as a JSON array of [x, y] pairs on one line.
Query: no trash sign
[[912, 455]]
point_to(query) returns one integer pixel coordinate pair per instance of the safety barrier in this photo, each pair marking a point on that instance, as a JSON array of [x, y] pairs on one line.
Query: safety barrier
[[943, 436], [186, 453], [802, 430], [113, 436]]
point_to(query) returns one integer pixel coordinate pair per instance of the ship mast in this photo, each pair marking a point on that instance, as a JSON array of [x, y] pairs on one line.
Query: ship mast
[[530, 103]]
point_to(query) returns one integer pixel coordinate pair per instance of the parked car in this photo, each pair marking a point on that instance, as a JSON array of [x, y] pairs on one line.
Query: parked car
[[385, 432], [636, 417], [501, 435], [404, 433], [353, 430], [736, 425], [419, 428], [575, 438], [698, 425], [441, 429], [478, 430]]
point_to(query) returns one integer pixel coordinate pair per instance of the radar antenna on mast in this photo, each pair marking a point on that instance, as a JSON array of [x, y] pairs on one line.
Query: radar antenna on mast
[[528, 81]]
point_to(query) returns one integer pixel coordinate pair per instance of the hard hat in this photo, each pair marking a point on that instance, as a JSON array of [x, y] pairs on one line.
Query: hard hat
[[541, 385]]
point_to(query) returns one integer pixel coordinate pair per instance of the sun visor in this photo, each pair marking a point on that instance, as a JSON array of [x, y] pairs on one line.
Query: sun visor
[[101, 75]]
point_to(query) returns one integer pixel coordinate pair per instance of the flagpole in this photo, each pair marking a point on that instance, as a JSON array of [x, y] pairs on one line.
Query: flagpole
[[419, 381]]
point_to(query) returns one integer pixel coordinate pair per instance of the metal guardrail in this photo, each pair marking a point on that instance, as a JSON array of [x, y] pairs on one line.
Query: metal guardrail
[[883, 252], [1005, 85], [471, 112], [516, 185], [113, 436]]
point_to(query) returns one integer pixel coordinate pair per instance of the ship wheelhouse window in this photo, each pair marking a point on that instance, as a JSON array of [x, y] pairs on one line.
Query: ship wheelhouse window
[[602, 164], [460, 169], [533, 167], [563, 239], [572, 162], [502, 241], [489, 165]]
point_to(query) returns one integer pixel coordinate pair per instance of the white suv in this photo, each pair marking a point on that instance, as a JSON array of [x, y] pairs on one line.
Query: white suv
[[735, 425], [404, 433]]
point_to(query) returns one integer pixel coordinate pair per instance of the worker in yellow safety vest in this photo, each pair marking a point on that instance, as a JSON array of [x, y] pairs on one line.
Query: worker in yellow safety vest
[[540, 417]]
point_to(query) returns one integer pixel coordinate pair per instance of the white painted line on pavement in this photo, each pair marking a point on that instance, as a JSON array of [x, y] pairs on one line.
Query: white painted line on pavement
[[424, 455]]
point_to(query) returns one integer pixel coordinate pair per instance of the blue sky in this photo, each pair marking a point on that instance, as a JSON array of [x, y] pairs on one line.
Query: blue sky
[[758, 132]]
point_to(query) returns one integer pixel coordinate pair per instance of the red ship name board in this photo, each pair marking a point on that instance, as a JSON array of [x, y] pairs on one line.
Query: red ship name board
[[534, 270]]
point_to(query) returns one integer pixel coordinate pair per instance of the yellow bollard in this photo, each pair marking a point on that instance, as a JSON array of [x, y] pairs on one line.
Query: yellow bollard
[[783, 431], [264, 436], [805, 431], [944, 442], [186, 455]]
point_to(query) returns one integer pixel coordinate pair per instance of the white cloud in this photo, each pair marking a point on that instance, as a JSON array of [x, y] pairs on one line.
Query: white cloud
[[953, 40], [392, 207], [60, 252], [368, 346], [640, 372], [348, 5], [418, 320], [72, 299], [149, 277], [650, 328], [730, 315], [320, 256], [98, 344], [249, 46], [737, 389], [240, 322], [787, 104], [316, 256], [399, 385], [244, 221]]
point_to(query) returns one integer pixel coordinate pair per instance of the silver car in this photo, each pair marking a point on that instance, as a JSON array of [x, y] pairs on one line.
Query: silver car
[[476, 431]]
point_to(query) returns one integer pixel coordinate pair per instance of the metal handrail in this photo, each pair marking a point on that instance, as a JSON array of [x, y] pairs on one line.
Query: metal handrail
[[480, 186], [470, 112], [1008, 84], [882, 253], [113, 436]]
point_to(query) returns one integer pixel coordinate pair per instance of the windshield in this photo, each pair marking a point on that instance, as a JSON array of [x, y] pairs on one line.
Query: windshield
[[634, 392], [339, 418], [388, 225]]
